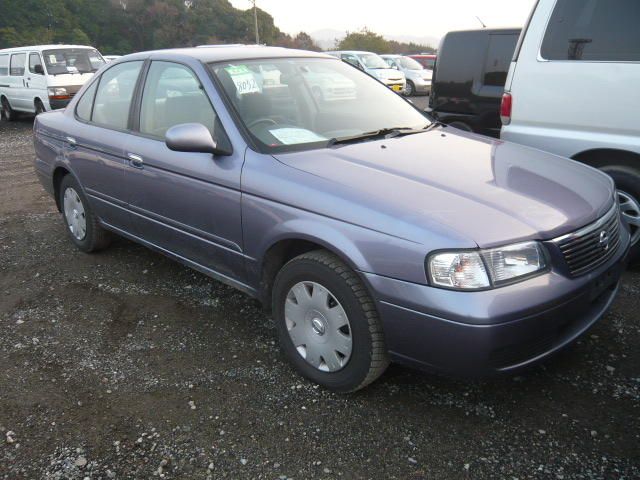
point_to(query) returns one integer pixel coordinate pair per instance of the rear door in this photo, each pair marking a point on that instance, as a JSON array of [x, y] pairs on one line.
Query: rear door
[[187, 204], [95, 146]]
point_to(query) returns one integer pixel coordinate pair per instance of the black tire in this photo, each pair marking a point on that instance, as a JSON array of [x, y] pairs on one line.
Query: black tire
[[39, 107], [461, 126], [369, 357], [7, 112], [95, 238], [410, 89], [627, 180]]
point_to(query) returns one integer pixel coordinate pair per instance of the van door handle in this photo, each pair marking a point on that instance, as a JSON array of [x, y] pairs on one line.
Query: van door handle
[[71, 142], [135, 160]]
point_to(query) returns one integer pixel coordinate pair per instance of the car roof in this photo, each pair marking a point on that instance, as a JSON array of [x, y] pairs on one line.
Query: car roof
[[355, 52], [487, 31], [39, 48], [222, 53]]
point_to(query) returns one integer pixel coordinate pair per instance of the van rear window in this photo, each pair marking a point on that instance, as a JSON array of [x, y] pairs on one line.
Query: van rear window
[[593, 30]]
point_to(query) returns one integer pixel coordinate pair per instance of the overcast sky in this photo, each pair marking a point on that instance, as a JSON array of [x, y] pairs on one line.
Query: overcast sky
[[393, 17]]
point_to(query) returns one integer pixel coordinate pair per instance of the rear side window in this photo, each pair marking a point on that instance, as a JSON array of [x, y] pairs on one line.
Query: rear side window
[[4, 65], [593, 30], [499, 54], [18, 61], [114, 95], [85, 105]]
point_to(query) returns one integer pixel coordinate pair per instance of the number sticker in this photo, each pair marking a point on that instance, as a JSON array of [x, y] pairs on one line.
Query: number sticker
[[243, 79]]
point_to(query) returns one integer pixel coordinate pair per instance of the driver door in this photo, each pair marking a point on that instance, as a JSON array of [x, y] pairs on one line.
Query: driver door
[[186, 204]]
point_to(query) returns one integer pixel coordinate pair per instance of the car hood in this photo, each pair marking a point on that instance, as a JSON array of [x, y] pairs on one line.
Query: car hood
[[488, 192]]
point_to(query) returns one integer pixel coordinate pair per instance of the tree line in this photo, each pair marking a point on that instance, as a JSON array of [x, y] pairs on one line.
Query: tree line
[[125, 26]]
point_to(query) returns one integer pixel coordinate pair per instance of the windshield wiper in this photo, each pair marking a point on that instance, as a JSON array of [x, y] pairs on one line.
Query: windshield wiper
[[382, 133]]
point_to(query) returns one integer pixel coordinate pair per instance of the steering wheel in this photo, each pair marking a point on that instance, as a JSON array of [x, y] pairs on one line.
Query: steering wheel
[[258, 121]]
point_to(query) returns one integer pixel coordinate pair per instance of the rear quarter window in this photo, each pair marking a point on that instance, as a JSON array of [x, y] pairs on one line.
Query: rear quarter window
[[499, 55], [593, 30]]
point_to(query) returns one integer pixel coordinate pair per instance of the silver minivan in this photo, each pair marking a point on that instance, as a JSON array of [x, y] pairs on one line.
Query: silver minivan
[[375, 66], [418, 77]]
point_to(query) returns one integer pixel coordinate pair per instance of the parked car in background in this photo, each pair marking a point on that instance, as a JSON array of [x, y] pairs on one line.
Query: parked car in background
[[418, 77], [488, 257], [469, 78], [327, 85], [111, 58], [375, 66], [574, 90], [427, 60], [41, 78]]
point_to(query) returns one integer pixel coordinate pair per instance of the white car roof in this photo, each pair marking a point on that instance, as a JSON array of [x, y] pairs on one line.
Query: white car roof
[[40, 48]]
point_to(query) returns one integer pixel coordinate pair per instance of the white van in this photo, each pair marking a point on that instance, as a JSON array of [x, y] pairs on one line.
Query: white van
[[573, 89], [46, 77]]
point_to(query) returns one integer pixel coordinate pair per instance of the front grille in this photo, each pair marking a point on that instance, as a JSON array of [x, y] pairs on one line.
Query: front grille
[[592, 246]]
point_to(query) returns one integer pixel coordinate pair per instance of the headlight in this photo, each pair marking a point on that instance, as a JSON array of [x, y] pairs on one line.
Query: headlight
[[58, 92], [482, 269]]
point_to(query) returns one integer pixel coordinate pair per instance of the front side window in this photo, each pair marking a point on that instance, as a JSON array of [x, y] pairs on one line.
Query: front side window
[[314, 101], [114, 95], [18, 61], [593, 30], [34, 61], [4, 65], [499, 54], [172, 96], [351, 59], [72, 60]]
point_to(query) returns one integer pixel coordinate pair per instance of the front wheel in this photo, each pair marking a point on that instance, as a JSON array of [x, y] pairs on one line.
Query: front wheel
[[7, 112], [327, 323], [410, 89], [627, 182]]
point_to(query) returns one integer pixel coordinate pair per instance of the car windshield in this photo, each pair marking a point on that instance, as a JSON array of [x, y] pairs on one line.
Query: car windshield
[[294, 104], [409, 63], [72, 60], [371, 60]]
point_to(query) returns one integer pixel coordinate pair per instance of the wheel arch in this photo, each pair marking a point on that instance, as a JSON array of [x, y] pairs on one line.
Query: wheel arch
[[286, 248], [58, 174], [609, 157]]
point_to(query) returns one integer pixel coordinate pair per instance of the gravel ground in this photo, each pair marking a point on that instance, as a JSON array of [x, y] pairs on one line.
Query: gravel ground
[[124, 364]]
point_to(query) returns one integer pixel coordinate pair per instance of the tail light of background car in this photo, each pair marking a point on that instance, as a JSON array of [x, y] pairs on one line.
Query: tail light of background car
[[505, 108]]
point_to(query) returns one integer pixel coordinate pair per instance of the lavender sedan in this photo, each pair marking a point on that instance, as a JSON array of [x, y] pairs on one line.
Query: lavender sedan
[[371, 233]]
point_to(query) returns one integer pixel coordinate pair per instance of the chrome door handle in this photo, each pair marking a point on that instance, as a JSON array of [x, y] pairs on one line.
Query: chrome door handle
[[71, 141], [135, 160]]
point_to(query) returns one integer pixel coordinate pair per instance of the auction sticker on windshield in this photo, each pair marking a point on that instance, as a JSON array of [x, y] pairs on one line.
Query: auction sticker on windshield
[[294, 136], [243, 79]]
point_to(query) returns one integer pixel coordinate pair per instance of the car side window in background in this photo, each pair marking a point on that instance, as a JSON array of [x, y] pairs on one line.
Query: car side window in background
[[499, 54], [172, 96], [4, 65], [34, 60], [18, 61], [593, 30], [85, 105], [114, 95], [352, 60]]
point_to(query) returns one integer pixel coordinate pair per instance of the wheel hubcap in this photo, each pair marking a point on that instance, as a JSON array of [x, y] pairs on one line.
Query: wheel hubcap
[[74, 214], [630, 211], [318, 326]]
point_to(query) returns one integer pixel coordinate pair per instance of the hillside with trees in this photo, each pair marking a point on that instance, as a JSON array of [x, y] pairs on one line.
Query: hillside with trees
[[125, 26], [369, 41]]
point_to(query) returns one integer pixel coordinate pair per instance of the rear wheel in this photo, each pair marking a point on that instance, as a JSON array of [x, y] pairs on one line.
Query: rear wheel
[[327, 323], [7, 112], [81, 223]]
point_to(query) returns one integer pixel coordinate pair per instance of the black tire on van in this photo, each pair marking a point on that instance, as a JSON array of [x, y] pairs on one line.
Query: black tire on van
[[7, 112]]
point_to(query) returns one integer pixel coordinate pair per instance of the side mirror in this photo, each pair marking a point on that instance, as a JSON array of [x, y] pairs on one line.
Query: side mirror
[[38, 70], [193, 137]]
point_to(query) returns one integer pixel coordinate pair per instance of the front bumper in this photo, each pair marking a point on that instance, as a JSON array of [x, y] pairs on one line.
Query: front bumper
[[502, 330], [422, 86]]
